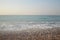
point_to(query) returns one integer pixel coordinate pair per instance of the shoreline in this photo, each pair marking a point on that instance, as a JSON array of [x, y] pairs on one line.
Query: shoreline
[[33, 34]]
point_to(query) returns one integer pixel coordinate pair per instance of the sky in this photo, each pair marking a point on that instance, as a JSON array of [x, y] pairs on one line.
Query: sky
[[29, 7]]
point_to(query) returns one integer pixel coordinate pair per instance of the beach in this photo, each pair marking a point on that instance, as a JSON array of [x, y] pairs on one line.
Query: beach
[[32, 34], [34, 27]]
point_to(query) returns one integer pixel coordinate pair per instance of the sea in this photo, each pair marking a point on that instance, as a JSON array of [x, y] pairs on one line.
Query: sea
[[24, 22]]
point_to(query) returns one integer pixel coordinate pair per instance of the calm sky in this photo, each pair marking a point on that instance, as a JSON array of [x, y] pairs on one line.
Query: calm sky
[[29, 7]]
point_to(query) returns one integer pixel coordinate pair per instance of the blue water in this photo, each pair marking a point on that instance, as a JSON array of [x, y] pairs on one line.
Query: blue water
[[31, 18], [20, 22]]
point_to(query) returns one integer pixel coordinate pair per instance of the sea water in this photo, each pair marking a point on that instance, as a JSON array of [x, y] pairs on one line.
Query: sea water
[[23, 22]]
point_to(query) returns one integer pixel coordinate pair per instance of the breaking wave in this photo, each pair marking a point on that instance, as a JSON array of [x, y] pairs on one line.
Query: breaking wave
[[17, 26]]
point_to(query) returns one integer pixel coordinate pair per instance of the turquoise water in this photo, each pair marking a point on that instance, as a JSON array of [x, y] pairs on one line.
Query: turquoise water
[[31, 18], [22, 22]]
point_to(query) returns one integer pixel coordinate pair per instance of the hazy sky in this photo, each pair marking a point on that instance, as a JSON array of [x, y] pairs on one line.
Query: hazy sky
[[29, 7]]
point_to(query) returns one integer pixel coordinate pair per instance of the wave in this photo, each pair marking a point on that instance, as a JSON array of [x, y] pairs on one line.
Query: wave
[[17, 26]]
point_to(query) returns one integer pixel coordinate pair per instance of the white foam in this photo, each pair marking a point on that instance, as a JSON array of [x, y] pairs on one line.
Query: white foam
[[22, 26]]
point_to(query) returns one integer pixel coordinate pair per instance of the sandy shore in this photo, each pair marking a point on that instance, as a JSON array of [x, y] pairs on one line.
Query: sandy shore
[[32, 34]]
